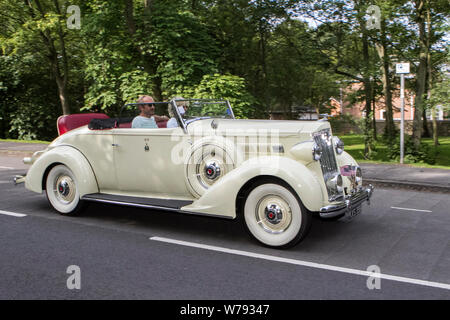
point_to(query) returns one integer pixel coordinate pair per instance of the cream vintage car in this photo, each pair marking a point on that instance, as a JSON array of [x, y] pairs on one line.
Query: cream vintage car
[[274, 175]]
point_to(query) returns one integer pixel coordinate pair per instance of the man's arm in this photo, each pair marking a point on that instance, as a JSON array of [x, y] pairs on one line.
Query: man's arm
[[161, 118]]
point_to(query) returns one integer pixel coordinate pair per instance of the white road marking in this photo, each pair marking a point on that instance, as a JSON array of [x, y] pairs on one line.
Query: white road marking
[[410, 209], [13, 214], [304, 263], [7, 168]]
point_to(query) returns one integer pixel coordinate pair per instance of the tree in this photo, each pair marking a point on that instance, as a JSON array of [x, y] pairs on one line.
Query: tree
[[32, 25]]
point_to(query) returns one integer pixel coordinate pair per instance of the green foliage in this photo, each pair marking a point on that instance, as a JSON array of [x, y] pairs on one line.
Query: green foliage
[[425, 154], [228, 87], [261, 55], [31, 121], [339, 122]]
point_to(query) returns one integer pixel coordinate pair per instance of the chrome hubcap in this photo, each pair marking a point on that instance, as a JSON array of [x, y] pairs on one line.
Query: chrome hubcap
[[65, 189], [273, 214], [212, 170]]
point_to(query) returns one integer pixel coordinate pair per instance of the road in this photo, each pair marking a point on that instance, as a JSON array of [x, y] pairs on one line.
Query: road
[[127, 253]]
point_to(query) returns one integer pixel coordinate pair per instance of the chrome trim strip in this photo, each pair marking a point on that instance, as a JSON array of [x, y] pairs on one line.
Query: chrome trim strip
[[148, 206]]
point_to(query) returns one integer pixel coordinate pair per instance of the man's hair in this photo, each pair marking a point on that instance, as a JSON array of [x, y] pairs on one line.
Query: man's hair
[[141, 98]]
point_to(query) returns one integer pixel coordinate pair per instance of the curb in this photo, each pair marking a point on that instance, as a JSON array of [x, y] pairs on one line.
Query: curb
[[418, 186]]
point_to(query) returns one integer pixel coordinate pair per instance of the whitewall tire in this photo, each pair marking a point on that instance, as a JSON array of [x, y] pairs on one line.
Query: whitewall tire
[[274, 216], [62, 191]]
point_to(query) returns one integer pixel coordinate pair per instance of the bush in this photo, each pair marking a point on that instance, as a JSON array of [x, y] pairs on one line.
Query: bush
[[425, 154]]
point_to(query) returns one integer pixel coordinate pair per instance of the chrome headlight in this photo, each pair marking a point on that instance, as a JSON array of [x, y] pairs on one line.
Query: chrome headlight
[[336, 183], [317, 152], [338, 145]]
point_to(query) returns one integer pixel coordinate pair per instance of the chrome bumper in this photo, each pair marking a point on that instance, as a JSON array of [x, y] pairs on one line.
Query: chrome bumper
[[19, 179], [348, 206]]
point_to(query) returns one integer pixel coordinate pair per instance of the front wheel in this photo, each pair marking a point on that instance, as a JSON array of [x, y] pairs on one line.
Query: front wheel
[[62, 191], [275, 216]]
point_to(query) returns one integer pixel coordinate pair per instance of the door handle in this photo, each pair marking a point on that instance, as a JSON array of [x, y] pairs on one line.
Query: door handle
[[115, 145]]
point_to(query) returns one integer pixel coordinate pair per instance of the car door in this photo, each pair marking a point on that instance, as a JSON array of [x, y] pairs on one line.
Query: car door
[[150, 162]]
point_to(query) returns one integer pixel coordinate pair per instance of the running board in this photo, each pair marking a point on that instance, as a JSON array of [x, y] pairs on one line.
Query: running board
[[147, 203]]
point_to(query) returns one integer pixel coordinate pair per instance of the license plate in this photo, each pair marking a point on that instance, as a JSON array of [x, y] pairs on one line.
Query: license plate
[[354, 212]]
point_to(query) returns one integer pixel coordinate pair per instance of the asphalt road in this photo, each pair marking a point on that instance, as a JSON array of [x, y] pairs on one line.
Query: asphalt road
[[126, 253]]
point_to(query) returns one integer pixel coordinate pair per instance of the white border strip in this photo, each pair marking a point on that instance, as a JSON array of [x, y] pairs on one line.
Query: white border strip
[[13, 214], [410, 209], [304, 263]]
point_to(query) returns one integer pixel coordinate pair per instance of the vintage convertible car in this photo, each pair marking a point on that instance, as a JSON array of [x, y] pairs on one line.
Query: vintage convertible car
[[274, 175]]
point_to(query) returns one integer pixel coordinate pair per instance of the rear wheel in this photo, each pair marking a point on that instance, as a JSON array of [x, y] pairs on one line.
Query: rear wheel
[[275, 216], [62, 191]]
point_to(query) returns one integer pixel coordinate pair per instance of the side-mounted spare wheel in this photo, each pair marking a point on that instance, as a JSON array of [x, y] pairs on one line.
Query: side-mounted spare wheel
[[62, 191], [275, 216]]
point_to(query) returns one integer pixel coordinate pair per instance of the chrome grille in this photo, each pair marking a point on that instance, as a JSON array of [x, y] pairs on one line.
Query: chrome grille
[[328, 162]]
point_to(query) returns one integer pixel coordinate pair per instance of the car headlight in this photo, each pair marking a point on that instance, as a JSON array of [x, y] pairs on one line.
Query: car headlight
[[338, 145], [336, 183], [317, 152]]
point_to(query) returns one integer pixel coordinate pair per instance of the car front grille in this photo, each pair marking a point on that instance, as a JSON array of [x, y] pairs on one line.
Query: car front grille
[[328, 162]]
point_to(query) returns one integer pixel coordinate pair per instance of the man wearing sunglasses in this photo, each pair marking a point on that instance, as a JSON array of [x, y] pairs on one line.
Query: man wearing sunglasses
[[147, 117]]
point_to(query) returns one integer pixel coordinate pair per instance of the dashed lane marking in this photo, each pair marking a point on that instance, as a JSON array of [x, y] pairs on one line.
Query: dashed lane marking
[[411, 209], [13, 214]]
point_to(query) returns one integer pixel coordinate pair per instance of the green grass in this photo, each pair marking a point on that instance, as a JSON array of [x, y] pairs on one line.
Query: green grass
[[354, 145], [24, 141]]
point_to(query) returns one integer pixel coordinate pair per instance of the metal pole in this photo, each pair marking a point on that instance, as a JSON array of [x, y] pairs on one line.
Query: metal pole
[[402, 122]]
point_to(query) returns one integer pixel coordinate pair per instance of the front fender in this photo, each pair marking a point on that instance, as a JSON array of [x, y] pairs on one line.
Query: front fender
[[68, 156], [345, 159], [220, 199]]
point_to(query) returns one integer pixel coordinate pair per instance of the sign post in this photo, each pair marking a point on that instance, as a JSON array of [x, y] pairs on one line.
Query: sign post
[[402, 69]]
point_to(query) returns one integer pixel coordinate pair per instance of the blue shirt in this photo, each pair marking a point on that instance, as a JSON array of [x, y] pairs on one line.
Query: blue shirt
[[143, 122], [172, 123]]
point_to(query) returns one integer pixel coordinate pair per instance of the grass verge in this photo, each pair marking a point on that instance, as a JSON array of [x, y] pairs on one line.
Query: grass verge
[[354, 145]]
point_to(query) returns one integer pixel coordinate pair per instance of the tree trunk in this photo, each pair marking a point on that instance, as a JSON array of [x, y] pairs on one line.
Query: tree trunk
[[374, 118], [425, 131], [386, 80], [430, 76], [262, 44], [421, 74], [63, 96], [367, 89]]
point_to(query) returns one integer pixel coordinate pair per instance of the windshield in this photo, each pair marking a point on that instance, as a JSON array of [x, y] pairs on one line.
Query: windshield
[[196, 109]]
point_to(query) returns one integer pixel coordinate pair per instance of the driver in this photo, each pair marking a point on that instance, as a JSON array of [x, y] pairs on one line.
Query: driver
[[147, 117], [182, 108]]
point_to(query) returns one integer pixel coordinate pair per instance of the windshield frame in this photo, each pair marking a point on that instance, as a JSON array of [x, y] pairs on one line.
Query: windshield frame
[[184, 123]]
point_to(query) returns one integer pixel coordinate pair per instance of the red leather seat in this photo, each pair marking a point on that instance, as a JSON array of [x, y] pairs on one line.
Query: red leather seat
[[125, 125], [73, 121]]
